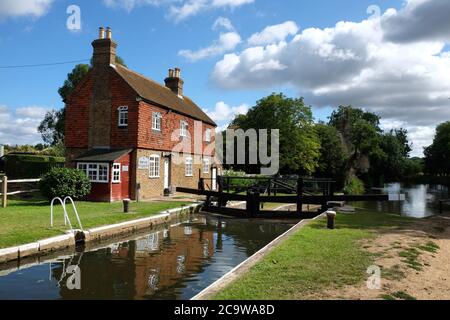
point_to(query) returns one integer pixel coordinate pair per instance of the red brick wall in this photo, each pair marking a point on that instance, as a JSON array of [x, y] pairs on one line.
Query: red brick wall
[[138, 134], [123, 95], [77, 115], [155, 140]]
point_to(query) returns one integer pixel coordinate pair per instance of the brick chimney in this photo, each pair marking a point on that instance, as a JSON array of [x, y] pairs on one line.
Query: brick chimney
[[174, 81], [100, 112], [104, 49]]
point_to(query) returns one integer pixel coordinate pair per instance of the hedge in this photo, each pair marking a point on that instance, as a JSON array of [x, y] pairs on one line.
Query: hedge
[[26, 166]]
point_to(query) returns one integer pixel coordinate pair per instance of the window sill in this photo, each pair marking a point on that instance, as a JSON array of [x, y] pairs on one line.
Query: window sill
[[154, 178]]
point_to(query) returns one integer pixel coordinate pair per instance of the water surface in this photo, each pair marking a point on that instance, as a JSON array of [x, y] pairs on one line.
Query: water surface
[[421, 200], [176, 262]]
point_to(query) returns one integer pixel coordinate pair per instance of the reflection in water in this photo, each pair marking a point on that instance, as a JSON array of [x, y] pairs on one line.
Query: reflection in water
[[421, 200], [173, 263]]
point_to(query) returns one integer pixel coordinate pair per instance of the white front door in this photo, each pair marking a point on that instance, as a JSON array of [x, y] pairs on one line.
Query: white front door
[[166, 174], [214, 179]]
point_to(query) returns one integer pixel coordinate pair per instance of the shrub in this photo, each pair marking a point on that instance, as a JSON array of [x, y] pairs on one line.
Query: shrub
[[354, 186], [63, 182]]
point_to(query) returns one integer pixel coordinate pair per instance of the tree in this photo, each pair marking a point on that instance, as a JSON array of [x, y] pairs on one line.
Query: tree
[[391, 163], [360, 133], [299, 144], [332, 155], [52, 126], [437, 156]]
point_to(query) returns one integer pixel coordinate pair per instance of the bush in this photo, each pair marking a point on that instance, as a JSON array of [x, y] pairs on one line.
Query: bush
[[355, 186], [63, 182]]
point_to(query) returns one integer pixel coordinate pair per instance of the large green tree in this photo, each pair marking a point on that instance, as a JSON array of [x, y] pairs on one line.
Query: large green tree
[[299, 144], [437, 156], [360, 131], [332, 155], [392, 162]]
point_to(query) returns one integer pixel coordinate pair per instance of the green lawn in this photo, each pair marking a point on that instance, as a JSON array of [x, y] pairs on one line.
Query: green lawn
[[25, 221], [313, 259]]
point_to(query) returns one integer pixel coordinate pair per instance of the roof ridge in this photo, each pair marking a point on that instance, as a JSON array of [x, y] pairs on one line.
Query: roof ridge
[[152, 91], [146, 78]]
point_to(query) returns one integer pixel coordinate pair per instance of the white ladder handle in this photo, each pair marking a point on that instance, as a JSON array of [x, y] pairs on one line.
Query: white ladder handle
[[66, 217], [74, 209]]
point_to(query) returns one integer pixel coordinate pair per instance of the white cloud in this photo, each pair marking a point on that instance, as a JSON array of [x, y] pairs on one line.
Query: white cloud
[[274, 34], [351, 63], [225, 112], [421, 136], [129, 5], [15, 8], [418, 20], [188, 9], [20, 126], [222, 22], [178, 10], [226, 42]]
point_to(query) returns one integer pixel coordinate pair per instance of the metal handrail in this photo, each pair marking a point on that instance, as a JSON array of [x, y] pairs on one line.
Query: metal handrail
[[74, 209], [66, 216]]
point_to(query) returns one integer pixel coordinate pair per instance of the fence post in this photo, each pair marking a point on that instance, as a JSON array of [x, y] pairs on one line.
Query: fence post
[[201, 184], [220, 200], [257, 203], [299, 195], [5, 191], [325, 196]]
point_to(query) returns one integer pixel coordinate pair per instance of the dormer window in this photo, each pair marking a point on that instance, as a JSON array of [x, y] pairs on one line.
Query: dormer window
[[156, 121], [183, 129], [123, 116]]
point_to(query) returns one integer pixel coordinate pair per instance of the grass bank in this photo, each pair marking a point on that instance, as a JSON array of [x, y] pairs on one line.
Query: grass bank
[[25, 221], [314, 259]]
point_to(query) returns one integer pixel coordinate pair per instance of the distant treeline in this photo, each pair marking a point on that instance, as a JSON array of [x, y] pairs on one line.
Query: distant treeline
[[351, 147]]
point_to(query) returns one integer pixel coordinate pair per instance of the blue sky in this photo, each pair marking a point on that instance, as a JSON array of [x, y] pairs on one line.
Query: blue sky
[[151, 34]]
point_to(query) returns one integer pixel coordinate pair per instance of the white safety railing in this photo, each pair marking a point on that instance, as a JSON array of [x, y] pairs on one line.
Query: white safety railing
[[66, 216]]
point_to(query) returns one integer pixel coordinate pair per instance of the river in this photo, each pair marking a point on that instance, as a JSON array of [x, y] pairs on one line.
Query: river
[[176, 262]]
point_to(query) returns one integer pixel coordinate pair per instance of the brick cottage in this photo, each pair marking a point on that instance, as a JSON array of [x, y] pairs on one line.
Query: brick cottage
[[125, 131]]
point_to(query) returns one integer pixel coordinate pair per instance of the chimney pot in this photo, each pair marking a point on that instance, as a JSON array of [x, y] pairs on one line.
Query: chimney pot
[[101, 33], [174, 81], [108, 33]]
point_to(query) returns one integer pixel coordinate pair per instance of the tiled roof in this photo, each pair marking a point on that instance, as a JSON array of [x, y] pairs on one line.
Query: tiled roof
[[161, 95], [103, 155]]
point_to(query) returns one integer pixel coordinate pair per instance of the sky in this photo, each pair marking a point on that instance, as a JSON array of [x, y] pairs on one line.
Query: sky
[[391, 57]]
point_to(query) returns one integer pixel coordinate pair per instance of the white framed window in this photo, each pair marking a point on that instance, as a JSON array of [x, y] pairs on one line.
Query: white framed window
[[208, 135], [96, 172], [123, 116], [206, 164], [154, 166], [156, 121], [183, 128], [116, 173], [189, 167]]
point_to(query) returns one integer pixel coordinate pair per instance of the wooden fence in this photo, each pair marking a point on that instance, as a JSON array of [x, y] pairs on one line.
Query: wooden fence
[[5, 184], [298, 193]]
